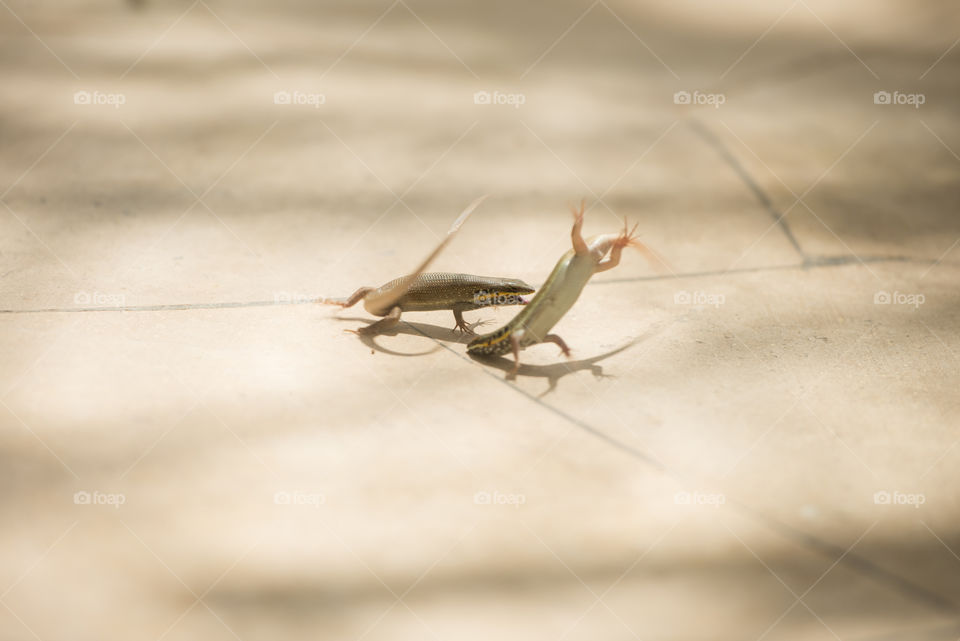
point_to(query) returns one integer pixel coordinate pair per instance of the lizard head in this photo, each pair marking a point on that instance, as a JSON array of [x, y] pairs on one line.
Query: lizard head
[[514, 286]]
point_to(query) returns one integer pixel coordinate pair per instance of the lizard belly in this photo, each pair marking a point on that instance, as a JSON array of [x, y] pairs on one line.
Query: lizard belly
[[558, 296]]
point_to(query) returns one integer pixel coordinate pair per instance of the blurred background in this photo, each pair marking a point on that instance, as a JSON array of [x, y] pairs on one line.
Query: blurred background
[[757, 441]]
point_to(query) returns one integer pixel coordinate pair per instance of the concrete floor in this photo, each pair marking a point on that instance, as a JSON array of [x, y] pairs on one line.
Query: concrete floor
[[191, 450]]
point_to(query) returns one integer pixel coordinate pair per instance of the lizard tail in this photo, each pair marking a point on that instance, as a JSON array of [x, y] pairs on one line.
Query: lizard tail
[[375, 302]]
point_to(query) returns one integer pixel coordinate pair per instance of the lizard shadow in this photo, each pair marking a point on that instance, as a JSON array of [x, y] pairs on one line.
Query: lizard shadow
[[436, 332], [554, 372]]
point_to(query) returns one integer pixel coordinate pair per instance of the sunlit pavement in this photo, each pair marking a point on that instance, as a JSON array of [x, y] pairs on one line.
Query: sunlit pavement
[[755, 440]]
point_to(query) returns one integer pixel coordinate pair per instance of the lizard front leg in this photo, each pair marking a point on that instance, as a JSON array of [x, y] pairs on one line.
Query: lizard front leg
[[576, 234], [461, 322], [610, 262], [553, 338], [625, 239]]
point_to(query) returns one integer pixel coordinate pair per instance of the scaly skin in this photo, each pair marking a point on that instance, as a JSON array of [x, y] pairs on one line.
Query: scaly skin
[[435, 291]]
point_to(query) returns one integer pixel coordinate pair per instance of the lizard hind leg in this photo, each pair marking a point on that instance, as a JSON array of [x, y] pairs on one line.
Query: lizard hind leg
[[553, 338], [350, 301], [515, 347]]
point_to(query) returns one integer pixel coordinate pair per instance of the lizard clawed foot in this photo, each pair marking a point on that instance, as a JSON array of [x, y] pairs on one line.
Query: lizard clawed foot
[[463, 327], [553, 338]]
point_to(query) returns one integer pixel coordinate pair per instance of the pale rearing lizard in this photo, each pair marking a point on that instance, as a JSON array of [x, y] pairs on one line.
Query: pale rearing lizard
[[533, 323]]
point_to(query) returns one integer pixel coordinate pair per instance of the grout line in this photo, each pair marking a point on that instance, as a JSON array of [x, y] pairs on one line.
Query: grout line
[[935, 633], [157, 308], [832, 551], [711, 139], [808, 263], [620, 445], [810, 541], [859, 563]]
